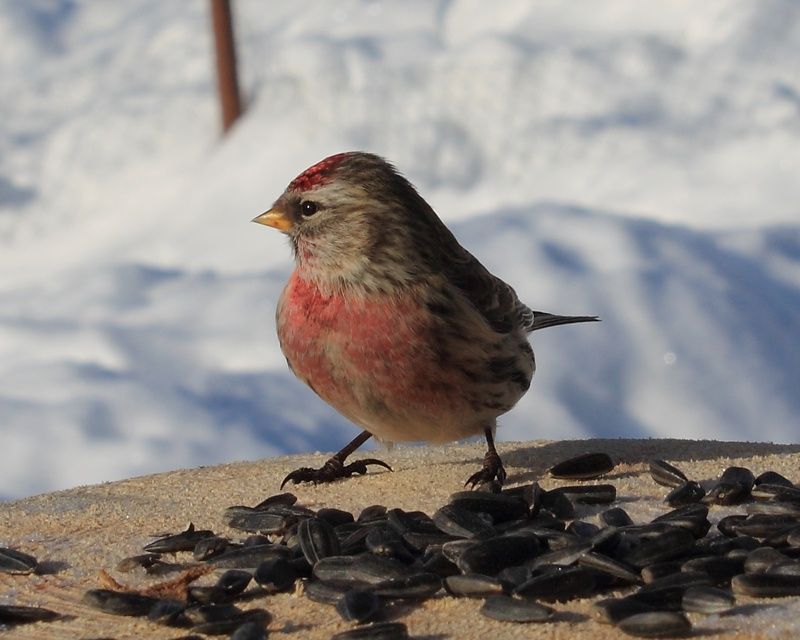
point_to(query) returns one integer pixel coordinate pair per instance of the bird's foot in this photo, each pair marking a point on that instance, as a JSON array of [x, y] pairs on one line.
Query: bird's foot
[[332, 470], [491, 471]]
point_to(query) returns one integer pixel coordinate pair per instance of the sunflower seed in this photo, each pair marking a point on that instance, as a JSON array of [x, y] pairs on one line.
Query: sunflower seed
[[280, 499], [472, 585], [512, 577], [558, 504], [766, 585], [720, 569], [589, 494], [183, 541], [380, 631], [16, 562], [249, 631], [202, 613], [584, 467], [209, 547], [761, 559], [121, 603], [421, 541], [612, 610], [229, 625], [728, 525], [653, 572], [491, 556], [385, 541], [687, 493], [234, 581], [738, 475], [207, 594], [668, 598], [335, 517], [500, 506], [365, 568], [317, 540], [656, 624], [668, 545], [276, 575], [359, 605], [260, 522], [609, 566], [169, 613], [462, 523], [249, 557], [561, 557], [773, 477], [146, 561], [666, 475], [435, 562], [530, 493], [707, 600], [682, 579], [616, 517], [325, 592], [765, 525], [788, 568], [508, 609], [16, 614], [573, 582], [415, 587], [372, 514], [455, 548], [726, 493], [585, 530]]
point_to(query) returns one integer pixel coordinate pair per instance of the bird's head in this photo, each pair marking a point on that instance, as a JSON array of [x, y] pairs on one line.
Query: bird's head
[[353, 220]]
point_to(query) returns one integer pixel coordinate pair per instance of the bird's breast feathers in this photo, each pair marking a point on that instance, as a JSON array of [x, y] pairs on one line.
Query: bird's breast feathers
[[393, 366]]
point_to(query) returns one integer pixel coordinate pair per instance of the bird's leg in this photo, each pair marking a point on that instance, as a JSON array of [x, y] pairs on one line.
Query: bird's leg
[[492, 466], [335, 468]]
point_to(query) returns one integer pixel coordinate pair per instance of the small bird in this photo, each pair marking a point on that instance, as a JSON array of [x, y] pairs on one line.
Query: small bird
[[390, 320]]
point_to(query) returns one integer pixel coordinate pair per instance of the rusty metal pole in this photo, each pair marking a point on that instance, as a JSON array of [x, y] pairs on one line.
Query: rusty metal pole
[[227, 79]]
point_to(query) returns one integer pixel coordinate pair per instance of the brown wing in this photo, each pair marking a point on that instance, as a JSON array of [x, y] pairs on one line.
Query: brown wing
[[496, 301]]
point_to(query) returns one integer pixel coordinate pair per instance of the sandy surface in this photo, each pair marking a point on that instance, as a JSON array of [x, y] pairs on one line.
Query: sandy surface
[[77, 533]]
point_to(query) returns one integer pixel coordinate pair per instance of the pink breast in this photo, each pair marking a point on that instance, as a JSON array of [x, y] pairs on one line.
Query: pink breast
[[350, 347]]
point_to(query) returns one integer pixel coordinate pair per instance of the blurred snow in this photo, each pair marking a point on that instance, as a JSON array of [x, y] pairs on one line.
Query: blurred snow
[[602, 157]]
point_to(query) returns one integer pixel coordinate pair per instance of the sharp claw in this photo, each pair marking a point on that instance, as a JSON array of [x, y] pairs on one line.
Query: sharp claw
[[296, 476], [380, 463], [332, 470]]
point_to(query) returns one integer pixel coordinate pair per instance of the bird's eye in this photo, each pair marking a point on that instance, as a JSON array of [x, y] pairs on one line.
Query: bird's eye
[[308, 208]]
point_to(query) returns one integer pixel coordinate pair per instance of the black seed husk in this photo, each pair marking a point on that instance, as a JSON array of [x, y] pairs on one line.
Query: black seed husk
[[656, 624], [574, 582], [766, 585], [183, 541], [616, 517], [508, 609], [612, 610], [472, 585], [686, 493], [16, 614], [707, 600], [360, 605], [666, 474], [584, 467], [491, 556], [16, 562], [121, 603]]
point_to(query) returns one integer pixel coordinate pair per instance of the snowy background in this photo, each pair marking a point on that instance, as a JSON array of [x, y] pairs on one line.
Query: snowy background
[[635, 160]]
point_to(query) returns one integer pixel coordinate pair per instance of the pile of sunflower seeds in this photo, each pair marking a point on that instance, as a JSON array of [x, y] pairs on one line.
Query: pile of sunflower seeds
[[519, 550]]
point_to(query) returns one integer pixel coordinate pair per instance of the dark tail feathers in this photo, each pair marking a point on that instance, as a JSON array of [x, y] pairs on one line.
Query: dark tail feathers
[[542, 320]]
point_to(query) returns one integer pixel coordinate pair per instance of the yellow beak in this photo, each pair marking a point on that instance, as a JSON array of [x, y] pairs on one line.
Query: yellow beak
[[275, 218]]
